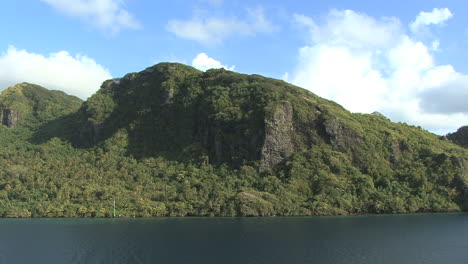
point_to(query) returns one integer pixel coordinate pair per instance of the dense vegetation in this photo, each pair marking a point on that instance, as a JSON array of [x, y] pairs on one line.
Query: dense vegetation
[[174, 141], [460, 137]]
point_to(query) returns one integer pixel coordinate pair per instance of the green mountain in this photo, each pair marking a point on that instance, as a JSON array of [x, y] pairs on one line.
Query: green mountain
[[175, 141], [30, 105], [460, 137], [30, 108]]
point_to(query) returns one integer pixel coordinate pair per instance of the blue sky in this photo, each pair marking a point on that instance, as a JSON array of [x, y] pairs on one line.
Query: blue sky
[[405, 59]]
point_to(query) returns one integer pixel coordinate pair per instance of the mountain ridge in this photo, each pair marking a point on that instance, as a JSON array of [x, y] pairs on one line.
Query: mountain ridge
[[172, 140], [34, 102]]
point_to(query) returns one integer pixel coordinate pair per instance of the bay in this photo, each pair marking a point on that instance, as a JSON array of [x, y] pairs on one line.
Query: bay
[[424, 238]]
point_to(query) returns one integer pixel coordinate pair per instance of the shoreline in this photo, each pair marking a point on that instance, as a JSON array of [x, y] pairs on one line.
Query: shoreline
[[248, 217]]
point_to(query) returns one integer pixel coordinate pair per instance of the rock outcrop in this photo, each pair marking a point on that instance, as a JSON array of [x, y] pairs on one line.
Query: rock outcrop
[[9, 117], [340, 137], [397, 149], [219, 117], [278, 145], [167, 92]]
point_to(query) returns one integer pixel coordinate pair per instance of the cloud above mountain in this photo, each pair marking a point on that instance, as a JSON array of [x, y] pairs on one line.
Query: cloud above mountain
[[373, 64], [212, 30], [77, 75], [203, 62]]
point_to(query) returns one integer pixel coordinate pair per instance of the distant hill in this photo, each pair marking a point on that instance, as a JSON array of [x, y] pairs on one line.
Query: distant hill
[[175, 141], [460, 137], [31, 105]]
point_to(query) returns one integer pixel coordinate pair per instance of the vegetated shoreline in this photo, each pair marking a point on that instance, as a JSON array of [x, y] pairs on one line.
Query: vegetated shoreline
[[249, 217]]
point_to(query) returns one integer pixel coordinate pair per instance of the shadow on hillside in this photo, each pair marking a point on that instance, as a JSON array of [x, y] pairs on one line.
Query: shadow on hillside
[[65, 128], [181, 131], [150, 119]]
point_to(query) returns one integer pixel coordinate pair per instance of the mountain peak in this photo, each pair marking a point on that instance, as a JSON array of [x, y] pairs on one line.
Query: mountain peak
[[19, 87], [31, 105], [176, 110]]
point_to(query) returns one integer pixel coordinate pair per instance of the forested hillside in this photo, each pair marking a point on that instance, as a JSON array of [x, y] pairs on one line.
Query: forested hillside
[[460, 137], [175, 141]]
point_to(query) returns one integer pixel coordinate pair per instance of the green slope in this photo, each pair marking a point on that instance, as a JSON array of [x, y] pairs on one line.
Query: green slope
[[172, 140], [33, 105], [37, 112]]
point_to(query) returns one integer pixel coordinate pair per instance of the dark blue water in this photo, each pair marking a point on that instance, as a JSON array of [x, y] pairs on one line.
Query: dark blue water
[[431, 238]]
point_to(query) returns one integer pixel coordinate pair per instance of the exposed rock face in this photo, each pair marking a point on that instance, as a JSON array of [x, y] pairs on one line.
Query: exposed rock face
[[341, 138], [9, 117], [278, 145], [397, 149], [167, 92]]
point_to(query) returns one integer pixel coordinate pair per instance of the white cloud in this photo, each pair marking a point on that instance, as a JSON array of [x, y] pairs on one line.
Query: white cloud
[[368, 64], [435, 45], [76, 75], [305, 21], [208, 31], [340, 29], [437, 16], [328, 71], [203, 62], [213, 30], [259, 23], [108, 15], [449, 97]]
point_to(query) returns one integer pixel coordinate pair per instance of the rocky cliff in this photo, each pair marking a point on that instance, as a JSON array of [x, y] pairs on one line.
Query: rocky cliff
[[278, 144], [179, 112], [172, 140], [9, 117]]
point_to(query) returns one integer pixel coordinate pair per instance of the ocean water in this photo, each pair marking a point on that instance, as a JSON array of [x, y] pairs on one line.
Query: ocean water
[[412, 239]]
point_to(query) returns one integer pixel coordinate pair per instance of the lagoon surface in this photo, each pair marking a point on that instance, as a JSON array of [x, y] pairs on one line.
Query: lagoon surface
[[425, 238]]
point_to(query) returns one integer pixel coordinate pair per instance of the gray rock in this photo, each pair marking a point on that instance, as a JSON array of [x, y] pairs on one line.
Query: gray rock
[[278, 144], [397, 149], [341, 138], [166, 95], [9, 117]]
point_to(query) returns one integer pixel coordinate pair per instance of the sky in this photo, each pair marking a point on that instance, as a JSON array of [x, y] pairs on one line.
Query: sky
[[405, 59]]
